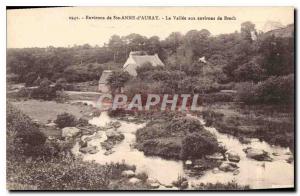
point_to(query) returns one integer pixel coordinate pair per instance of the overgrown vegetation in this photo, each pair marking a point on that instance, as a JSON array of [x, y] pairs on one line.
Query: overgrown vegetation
[[34, 163], [181, 138]]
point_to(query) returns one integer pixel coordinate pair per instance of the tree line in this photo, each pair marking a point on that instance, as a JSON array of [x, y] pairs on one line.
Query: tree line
[[239, 57]]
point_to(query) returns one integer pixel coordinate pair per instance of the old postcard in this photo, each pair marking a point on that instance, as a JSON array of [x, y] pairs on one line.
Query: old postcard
[[150, 98]]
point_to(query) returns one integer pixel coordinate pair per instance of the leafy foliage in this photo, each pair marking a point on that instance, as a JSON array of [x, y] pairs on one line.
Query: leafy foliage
[[66, 120]]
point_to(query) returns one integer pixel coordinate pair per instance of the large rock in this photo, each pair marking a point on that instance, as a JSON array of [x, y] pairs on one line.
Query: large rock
[[215, 170], [89, 149], [83, 143], [236, 172], [154, 185], [216, 156], [51, 124], [134, 180], [151, 181], [108, 152], [128, 173], [257, 154], [184, 185], [188, 163], [233, 156], [115, 124], [70, 132], [114, 135], [228, 167]]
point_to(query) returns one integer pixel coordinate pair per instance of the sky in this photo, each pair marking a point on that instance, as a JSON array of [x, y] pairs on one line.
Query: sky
[[53, 27]]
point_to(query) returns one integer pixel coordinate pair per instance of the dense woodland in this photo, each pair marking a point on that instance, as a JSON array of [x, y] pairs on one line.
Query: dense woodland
[[261, 67]]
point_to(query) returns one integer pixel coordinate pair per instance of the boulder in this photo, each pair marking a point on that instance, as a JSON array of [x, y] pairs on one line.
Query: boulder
[[216, 156], [151, 181], [168, 185], [134, 180], [257, 154], [83, 143], [51, 124], [70, 131], [87, 139], [93, 151], [115, 124], [188, 163], [89, 149], [128, 173], [233, 156], [114, 135], [228, 167], [107, 145], [184, 185], [154, 185], [215, 170], [108, 152], [236, 172], [290, 159]]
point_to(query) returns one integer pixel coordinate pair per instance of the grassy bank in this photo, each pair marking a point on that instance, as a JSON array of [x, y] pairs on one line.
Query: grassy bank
[[273, 124]]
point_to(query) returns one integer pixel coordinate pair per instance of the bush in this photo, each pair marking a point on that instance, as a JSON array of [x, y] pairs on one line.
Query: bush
[[66, 120], [196, 145], [61, 84], [184, 125], [274, 90], [22, 133], [221, 186], [44, 91]]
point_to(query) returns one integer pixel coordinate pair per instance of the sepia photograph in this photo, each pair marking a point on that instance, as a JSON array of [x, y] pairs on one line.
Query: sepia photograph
[[150, 98]]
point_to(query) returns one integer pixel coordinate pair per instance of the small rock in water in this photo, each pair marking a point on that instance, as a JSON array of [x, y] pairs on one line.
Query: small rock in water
[[151, 180], [87, 139], [215, 170], [290, 159], [89, 149], [70, 131], [82, 143], [188, 162], [275, 154], [236, 172], [257, 154], [134, 180], [233, 156], [228, 167], [51, 124], [184, 185], [108, 152], [216, 156], [128, 173], [154, 185]]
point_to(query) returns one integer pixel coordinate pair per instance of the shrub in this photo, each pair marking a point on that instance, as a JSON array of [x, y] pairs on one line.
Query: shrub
[[44, 91], [184, 125], [196, 145], [22, 132], [274, 90], [221, 186], [61, 84], [65, 120]]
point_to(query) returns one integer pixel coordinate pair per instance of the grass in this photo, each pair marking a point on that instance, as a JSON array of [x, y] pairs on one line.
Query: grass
[[44, 111]]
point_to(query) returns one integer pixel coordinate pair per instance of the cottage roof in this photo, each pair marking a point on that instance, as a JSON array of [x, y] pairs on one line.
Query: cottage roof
[[142, 59], [105, 75]]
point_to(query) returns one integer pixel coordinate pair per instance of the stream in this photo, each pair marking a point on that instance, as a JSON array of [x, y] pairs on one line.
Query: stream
[[257, 174]]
